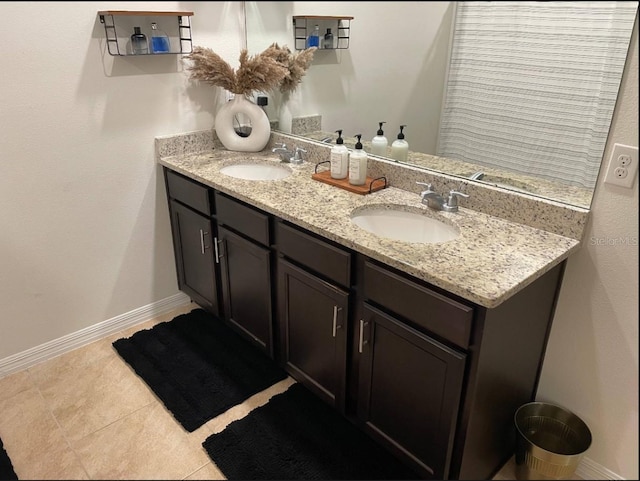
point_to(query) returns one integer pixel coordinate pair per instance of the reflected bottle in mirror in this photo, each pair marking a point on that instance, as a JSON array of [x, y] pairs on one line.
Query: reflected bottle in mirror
[[314, 39], [328, 40]]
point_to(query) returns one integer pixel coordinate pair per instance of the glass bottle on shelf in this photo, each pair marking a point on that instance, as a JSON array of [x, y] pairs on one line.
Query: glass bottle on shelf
[[139, 44], [328, 39], [314, 39], [159, 40]]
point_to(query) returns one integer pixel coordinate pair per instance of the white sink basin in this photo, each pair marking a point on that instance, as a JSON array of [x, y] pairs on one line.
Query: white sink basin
[[403, 225], [256, 171]]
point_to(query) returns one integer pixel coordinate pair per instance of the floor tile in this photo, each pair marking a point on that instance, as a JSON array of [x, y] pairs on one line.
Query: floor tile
[[146, 444], [209, 471], [239, 411], [14, 384], [69, 363], [33, 440], [92, 396]]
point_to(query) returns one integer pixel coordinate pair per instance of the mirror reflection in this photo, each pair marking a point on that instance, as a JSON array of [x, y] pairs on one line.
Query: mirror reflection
[[516, 94]]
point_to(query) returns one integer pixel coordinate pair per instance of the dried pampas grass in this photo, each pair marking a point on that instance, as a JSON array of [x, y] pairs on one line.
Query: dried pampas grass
[[275, 67], [297, 64]]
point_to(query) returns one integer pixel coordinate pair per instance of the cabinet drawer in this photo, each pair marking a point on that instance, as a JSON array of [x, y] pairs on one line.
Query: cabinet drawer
[[314, 253], [242, 218], [189, 192], [442, 316]]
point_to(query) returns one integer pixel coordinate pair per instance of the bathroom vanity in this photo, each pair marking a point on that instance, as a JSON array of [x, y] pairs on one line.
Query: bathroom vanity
[[429, 348]]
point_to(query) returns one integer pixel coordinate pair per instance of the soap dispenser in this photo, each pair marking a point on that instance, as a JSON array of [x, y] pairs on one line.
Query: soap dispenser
[[379, 143], [339, 158], [400, 147], [358, 164]]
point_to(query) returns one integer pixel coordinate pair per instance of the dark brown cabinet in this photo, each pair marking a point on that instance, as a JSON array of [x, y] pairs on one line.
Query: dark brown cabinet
[[409, 391], [194, 240], [312, 321], [245, 275], [439, 378], [223, 257], [313, 311], [411, 343], [433, 377], [245, 270]]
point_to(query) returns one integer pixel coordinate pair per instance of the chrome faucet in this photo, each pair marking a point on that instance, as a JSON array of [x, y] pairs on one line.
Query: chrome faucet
[[284, 153], [437, 202], [477, 176], [289, 156]]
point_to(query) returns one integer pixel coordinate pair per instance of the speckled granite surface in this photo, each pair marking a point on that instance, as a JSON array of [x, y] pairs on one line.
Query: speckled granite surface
[[303, 125], [491, 260]]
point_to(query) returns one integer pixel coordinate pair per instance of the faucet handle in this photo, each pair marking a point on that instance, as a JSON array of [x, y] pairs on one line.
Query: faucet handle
[[452, 200], [427, 185], [279, 145], [297, 157], [299, 152]]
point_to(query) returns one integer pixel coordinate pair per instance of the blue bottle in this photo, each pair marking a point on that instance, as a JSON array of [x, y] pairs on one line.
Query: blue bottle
[[159, 40], [313, 40]]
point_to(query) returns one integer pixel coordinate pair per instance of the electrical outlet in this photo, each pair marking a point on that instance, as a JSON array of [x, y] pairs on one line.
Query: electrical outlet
[[624, 160], [623, 166]]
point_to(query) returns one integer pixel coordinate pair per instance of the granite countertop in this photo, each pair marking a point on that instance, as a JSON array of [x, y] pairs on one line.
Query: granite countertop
[[491, 260]]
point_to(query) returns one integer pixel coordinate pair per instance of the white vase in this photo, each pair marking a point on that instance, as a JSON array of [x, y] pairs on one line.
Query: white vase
[[225, 124]]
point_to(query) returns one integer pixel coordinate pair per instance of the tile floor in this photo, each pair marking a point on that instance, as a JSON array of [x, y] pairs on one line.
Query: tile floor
[[87, 415]]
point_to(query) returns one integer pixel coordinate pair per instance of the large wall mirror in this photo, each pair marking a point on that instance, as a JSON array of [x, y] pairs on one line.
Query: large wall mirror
[[516, 94]]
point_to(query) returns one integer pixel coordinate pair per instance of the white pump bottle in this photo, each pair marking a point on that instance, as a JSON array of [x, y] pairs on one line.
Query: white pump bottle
[[358, 164], [400, 147], [379, 143], [339, 158]]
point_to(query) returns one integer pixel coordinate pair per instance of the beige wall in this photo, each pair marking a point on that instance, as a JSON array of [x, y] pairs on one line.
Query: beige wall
[[84, 230], [84, 224]]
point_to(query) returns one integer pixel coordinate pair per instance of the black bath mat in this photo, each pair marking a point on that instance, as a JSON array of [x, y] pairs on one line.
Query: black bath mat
[[297, 436], [6, 468], [198, 366]]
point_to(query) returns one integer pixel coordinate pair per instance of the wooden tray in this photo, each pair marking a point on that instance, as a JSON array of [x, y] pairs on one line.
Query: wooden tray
[[370, 185]]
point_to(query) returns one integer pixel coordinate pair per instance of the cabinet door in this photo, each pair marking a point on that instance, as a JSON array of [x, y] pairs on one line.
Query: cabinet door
[[312, 317], [246, 288], [409, 391], [193, 239]]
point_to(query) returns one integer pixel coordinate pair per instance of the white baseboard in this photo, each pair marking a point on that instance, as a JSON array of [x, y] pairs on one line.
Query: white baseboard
[[589, 469], [51, 349]]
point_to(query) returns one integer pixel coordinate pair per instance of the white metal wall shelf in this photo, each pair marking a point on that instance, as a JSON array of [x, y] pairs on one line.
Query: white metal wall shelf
[[303, 25], [117, 40]]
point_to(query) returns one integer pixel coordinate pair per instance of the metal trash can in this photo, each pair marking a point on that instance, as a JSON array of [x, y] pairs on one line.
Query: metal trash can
[[549, 441]]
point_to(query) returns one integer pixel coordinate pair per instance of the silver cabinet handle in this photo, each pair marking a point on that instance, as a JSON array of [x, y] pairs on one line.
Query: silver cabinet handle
[[336, 309], [361, 341], [216, 250], [202, 246]]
